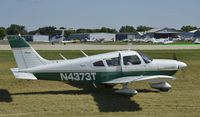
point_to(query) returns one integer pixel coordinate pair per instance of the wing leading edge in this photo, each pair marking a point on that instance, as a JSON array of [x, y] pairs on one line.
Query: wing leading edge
[[150, 79]]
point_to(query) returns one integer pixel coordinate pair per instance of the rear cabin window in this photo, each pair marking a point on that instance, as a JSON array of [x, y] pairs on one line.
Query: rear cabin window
[[98, 64], [113, 61], [131, 60]]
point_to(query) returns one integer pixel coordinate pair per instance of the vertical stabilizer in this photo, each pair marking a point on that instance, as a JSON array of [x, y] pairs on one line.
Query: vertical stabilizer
[[25, 56]]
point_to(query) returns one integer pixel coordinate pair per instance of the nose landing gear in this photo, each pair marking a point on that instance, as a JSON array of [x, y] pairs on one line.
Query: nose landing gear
[[162, 86]]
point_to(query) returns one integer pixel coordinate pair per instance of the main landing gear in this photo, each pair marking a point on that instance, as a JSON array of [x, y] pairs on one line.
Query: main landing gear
[[162, 86], [126, 91]]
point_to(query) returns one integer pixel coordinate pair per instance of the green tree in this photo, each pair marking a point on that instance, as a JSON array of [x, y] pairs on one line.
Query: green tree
[[83, 30], [188, 28], [2, 32], [69, 32], [33, 32], [103, 29], [51, 31], [107, 30], [143, 28], [62, 27], [97, 30], [127, 28], [48, 30], [15, 29]]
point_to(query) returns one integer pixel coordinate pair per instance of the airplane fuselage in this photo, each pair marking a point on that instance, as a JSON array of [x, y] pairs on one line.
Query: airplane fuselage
[[103, 67]]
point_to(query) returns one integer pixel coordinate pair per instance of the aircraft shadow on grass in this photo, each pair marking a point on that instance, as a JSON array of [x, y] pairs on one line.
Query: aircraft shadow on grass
[[106, 99], [106, 102], [5, 96]]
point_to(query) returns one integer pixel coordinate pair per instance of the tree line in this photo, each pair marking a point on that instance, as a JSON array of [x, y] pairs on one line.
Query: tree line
[[15, 29]]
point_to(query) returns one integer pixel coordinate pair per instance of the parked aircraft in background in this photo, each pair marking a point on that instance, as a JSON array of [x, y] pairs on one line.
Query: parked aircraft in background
[[58, 38], [119, 67], [197, 41], [153, 40], [163, 41]]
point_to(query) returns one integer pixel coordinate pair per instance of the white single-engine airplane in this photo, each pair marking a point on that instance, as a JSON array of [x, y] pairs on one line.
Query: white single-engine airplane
[[120, 67]]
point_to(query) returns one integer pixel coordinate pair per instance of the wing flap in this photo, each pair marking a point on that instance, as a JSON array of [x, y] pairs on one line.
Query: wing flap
[[150, 79], [22, 75]]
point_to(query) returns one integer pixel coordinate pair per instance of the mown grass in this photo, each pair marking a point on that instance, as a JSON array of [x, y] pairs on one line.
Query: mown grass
[[48, 98]]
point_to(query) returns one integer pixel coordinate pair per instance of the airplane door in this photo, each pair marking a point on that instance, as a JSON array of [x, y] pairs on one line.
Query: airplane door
[[132, 65]]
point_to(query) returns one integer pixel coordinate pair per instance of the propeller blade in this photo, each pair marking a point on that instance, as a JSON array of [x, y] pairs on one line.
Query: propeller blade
[[174, 56], [181, 67], [182, 72]]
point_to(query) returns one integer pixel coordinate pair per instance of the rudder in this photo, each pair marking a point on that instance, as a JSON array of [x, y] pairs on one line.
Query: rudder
[[25, 56]]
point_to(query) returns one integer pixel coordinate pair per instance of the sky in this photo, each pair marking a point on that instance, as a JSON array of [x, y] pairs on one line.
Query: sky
[[99, 13]]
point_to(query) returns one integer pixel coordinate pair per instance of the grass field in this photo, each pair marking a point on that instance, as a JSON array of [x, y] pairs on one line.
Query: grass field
[[48, 98]]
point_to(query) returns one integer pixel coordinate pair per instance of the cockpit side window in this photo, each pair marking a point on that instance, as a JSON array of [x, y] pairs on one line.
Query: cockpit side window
[[113, 61], [131, 60], [146, 58], [98, 64]]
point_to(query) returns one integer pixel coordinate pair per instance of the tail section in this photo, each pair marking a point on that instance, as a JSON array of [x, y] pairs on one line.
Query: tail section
[[62, 35], [25, 56]]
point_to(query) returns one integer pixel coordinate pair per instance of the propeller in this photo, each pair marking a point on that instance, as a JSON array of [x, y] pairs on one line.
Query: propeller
[[183, 73], [174, 56], [181, 65]]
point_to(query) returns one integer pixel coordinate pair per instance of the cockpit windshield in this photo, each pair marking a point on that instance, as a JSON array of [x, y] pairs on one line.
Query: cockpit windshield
[[146, 58]]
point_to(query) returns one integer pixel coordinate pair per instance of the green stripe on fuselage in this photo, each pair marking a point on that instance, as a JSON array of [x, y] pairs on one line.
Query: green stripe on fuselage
[[96, 77]]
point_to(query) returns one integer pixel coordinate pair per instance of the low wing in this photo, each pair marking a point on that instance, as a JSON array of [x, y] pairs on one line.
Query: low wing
[[22, 75], [150, 79]]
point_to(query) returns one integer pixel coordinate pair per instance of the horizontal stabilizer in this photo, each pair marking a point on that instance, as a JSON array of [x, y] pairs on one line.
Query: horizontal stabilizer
[[22, 75], [150, 79]]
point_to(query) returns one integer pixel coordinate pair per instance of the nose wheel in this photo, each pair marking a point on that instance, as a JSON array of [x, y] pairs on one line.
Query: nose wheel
[[162, 86]]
